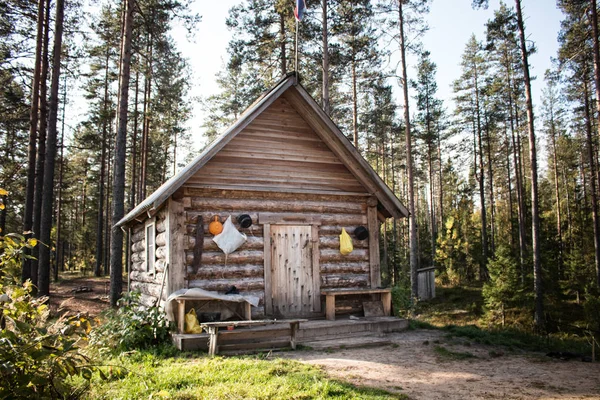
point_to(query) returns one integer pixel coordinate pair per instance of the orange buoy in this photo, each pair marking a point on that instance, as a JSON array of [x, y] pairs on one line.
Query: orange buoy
[[216, 226]]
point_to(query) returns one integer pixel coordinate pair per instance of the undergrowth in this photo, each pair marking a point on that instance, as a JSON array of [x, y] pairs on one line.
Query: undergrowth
[[460, 312]]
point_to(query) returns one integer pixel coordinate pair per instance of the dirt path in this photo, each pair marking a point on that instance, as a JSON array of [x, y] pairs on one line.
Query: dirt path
[[412, 367], [72, 296]]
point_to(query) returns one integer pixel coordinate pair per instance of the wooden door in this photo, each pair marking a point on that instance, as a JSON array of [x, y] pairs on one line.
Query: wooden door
[[294, 282]]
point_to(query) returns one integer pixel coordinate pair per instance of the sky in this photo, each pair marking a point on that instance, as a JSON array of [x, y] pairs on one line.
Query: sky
[[451, 23]]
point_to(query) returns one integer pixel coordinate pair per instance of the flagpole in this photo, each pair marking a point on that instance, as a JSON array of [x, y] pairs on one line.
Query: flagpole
[[296, 66]]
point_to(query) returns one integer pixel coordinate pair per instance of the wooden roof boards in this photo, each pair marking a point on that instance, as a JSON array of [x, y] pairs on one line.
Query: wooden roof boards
[[346, 170]]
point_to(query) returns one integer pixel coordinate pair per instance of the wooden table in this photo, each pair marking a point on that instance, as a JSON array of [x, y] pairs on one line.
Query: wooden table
[[213, 330], [330, 294], [181, 311]]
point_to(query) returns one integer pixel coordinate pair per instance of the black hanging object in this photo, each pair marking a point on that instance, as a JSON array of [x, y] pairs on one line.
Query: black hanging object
[[232, 290], [361, 233], [245, 220]]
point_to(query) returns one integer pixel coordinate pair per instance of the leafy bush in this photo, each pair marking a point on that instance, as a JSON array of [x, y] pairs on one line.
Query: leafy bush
[[36, 356], [132, 326]]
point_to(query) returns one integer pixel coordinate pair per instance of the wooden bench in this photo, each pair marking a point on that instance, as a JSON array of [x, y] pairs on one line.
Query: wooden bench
[[330, 294], [213, 330], [247, 311]]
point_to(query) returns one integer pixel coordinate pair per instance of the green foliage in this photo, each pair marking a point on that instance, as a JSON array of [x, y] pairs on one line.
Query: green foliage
[[502, 290], [401, 299], [38, 356], [131, 326], [149, 376], [448, 355]]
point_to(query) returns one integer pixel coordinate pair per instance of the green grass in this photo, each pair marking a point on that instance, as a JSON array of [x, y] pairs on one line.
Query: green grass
[[448, 355], [148, 376], [460, 312]]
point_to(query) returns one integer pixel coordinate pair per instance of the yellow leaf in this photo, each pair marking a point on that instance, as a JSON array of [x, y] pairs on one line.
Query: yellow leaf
[[1, 206], [32, 242], [3, 192]]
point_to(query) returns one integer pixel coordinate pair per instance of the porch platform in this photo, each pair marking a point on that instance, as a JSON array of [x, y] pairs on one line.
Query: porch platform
[[313, 333]]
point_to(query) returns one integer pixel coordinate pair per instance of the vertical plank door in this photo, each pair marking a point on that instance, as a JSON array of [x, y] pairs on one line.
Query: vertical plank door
[[293, 291]]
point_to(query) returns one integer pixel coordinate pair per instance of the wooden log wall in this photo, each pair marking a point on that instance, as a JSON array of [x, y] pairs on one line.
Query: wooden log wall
[[146, 282], [244, 268]]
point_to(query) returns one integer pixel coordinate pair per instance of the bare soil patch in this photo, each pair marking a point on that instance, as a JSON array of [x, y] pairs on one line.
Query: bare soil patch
[[85, 295], [411, 365]]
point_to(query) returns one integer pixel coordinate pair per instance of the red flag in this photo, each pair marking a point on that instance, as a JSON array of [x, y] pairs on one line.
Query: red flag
[[299, 10]]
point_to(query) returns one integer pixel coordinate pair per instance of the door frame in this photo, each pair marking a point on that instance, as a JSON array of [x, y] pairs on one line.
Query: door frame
[[316, 268]]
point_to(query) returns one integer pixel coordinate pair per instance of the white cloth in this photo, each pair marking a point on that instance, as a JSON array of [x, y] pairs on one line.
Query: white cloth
[[201, 294], [230, 239]]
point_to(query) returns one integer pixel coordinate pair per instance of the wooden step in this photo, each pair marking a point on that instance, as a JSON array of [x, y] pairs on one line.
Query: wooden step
[[264, 338]]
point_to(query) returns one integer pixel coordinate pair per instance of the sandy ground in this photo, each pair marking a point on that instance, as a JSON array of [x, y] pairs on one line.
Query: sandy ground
[[410, 366], [65, 299]]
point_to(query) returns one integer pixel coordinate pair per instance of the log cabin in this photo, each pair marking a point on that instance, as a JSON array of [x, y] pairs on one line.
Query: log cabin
[[286, 165]]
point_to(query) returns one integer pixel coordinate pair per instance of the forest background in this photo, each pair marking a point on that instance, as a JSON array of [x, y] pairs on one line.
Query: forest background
[[469, 175]]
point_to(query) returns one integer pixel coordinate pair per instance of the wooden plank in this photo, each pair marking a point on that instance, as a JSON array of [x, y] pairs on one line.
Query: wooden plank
[[386, 300], [262, 322], [291, 188], [195, 188], [233, 205], [373, 309], [213, 337], [336, 292], [246, 335], [181, 316], [294, 329], [247, 117], [254, 346], [198, 243], [206, 177], [234, 271], [267, 268], [316, 269], [329, 306], [331, 134], [176, 247], [374, 259], [311, 219]]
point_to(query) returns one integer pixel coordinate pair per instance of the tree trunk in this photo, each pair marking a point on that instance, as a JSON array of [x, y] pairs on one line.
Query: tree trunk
[[557, 195], [134, 135], [491, 186], [41, 150], [594, 23], [116, 253], [354, 105], [100, 220], [60, 250], [326, 105], [412, 219], [535, 217], [48, 188], [483, 272], [282, 60], [31, 147], [592, 161]]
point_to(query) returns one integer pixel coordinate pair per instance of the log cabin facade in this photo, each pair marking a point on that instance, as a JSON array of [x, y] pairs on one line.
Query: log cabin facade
[[290, 168]]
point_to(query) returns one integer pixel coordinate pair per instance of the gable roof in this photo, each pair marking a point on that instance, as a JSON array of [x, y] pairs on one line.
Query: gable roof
[[307, 107]]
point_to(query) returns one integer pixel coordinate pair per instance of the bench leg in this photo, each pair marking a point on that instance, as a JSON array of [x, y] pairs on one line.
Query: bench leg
[[213, 333], [181, 316], [247, 311], [386, 299], [293, 330], [330, 307]]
